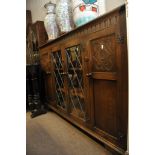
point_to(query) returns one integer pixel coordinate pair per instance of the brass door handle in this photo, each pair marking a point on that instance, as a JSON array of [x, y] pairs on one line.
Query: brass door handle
[[48, 73], [64, 73], [89, 75]]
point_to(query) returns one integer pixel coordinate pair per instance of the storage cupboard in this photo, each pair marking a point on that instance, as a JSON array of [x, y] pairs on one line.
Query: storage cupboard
[[88, 78]]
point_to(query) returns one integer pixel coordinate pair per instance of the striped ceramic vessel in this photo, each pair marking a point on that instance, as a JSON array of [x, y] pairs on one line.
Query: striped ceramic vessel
[[84, 11]]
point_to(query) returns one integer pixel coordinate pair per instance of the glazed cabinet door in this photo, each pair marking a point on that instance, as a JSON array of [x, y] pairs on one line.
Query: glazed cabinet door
[[59, 74], [75, 82], [104, 77]]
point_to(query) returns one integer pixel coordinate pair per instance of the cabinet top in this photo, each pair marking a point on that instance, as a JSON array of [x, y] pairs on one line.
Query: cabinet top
[[119, 10]]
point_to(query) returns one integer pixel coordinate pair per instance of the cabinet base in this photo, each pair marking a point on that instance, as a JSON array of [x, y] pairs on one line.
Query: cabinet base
[[108, 145]]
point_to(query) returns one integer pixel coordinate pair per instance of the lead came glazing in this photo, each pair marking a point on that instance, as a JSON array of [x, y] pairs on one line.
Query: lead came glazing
[[75, 80]]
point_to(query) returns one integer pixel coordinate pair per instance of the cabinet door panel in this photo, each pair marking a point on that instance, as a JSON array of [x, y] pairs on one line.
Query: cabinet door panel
[[58, 74], [75, 81], [106, 87], [105, 106], [103, 54]]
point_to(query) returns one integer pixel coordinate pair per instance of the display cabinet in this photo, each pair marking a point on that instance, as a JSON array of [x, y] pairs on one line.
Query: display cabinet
[[89, 78]]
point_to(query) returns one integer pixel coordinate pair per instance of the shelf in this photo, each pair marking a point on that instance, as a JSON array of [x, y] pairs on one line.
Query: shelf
[[62, 107], [62, 90], [79, 69], [78, 113], [77, 92], [58, 69], [79, 28]]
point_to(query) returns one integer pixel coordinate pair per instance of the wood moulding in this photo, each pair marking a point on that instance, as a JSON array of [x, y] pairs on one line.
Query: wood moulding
[[98, 24]]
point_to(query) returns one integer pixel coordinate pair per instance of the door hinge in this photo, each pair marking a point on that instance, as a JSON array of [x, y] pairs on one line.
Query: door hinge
[[120, 136], [120, 39]]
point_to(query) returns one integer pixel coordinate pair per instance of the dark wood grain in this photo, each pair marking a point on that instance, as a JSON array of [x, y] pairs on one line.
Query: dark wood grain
[[105, 106], [103, 45]]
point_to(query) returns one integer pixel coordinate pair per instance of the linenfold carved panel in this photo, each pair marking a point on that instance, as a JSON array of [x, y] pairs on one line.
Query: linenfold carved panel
[[103, 54]]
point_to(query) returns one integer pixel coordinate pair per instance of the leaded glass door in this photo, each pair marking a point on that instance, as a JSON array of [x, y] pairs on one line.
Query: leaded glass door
[[75, 82], [59, 73]]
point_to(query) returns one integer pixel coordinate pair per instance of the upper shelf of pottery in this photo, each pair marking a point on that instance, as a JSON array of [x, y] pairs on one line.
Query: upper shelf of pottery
[[66, 15]]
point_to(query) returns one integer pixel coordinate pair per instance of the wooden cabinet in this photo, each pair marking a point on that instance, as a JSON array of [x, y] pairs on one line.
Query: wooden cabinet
[[89, 78]]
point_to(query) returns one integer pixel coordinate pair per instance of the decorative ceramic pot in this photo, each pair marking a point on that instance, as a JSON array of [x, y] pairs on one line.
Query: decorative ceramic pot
[[64, 15], [50, 21], [84, 11]]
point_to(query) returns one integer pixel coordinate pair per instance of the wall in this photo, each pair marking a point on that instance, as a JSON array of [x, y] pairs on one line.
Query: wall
[[102, 8], [39, 12], [111, 4], [37, 8]]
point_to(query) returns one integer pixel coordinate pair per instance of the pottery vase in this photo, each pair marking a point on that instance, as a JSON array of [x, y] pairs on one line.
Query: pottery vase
[[64, 15], [50, 21]]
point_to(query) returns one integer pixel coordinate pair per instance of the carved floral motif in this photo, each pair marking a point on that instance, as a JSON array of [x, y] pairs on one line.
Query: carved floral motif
[[103, 54]]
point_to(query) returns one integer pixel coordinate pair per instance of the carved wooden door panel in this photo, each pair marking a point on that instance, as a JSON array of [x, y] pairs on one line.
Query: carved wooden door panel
[[104, 78], [104, 84]]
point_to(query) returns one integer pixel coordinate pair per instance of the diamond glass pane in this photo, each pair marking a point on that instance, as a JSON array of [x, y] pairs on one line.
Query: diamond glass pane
[[75, 80], [59, 79]]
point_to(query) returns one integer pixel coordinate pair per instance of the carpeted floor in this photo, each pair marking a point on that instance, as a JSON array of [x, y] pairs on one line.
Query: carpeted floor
[[49, 134]]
